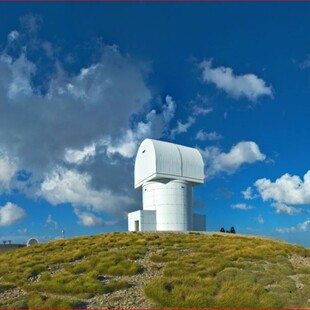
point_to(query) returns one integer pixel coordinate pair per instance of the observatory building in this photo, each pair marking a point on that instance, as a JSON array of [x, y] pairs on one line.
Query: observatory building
[[167, 172], [32, 241]]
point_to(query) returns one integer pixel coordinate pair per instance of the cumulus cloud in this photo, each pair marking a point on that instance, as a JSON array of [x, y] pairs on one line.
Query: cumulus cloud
[[242, 206], [282, 208], [87, 103], [10, 214], [248, 194], [211, 136], [301, 227], [288, 189], [69, 186], [241, 153], [88, 219], [18, 74], [67, 135], [7, 171], [78, 156], [182, 127], [154, 126], [236, 86]]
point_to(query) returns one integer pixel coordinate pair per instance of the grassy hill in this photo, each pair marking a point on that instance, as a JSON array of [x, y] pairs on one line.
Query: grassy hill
[[130, 270]]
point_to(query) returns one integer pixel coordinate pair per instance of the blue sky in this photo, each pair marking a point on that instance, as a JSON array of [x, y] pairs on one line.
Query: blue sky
[[82, 84]]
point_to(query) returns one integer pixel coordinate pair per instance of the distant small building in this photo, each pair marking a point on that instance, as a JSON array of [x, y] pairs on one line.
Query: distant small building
[[167, 173], [32, 241]]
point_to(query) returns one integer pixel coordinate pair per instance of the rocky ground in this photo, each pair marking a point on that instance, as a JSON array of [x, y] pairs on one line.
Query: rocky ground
[[297, 262], [10, 294], [132, 297]]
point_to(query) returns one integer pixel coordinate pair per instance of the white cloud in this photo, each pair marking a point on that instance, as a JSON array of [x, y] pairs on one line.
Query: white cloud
[[282, 208], [248, 194], [154, 126], [11, 214], [201, 105], [18, 75], [64, 123], [77, 156], [98, 102], [70, 186], [169, 109], [287, 230], [88, 219], [50, 221], [7, 171], [302, 227], [288, 189], [260, 219], [211, 136], [13, 35], [201, 111], [182, 127], [67, 129], [242, 206], [128, 144], [236, 86], [241, 153]]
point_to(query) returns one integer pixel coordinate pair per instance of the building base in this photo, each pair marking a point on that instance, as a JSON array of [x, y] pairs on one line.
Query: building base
[[142, 220], [145, 220]]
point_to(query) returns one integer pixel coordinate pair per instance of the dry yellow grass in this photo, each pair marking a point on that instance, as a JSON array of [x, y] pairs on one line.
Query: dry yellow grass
[[198, 270]]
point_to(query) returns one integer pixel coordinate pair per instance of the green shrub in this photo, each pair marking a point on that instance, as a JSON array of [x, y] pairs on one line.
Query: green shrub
[[303, 270], [114, 285], [18, 304], [162, 258], [124, 268], [184, 292], [6, 286]]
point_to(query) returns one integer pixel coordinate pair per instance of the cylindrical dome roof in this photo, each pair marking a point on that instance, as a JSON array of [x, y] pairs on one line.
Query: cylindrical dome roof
[[32, 241], [163, 160]]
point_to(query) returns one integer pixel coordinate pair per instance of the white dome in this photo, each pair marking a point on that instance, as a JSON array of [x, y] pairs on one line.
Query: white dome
[[157, 160], [32, 241]]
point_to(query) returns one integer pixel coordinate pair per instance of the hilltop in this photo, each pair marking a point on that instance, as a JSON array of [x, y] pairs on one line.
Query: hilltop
[[144, 270]]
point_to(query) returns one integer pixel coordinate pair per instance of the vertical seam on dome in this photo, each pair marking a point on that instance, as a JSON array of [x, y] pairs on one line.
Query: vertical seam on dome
[[180, 153]]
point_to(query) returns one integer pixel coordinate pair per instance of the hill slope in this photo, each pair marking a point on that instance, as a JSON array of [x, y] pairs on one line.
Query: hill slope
[[156, 269]]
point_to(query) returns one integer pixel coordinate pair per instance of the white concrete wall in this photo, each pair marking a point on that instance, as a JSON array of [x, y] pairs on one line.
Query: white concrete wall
[[147, 220], [173, 203], [132, 217]]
